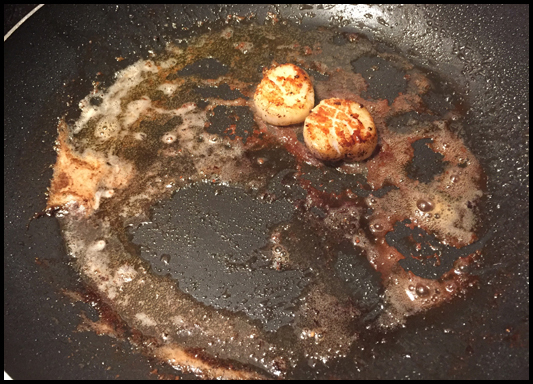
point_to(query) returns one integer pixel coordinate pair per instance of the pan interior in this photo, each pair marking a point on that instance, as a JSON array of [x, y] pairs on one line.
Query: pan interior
[[211, 229]]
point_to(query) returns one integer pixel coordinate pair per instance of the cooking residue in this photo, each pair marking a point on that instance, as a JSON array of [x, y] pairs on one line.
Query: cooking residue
[[224, 241]]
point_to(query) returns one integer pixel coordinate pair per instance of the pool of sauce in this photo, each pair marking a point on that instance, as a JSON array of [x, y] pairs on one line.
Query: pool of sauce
[[224, 245]]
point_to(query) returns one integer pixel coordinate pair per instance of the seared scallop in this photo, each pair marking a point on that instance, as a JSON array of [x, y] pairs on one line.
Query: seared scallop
[[285, 95], [337, 129]]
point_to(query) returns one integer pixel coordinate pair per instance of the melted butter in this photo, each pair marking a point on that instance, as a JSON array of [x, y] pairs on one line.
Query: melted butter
[[153, 135]]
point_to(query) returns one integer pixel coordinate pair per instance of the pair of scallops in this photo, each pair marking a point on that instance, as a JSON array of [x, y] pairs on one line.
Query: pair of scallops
[[335, 129]]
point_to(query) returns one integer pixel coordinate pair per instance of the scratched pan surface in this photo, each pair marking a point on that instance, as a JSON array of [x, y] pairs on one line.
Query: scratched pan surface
[[53, 58]]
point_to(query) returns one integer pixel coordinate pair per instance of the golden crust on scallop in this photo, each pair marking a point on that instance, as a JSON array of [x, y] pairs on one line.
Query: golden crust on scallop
[[285, 96], [337, 129]]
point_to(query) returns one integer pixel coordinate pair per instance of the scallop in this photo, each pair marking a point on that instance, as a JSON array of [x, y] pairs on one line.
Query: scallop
[[339, 129], [285, 96]]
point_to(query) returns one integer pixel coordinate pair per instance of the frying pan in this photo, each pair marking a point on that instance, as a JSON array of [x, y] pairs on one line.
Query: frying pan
[[49, 64]]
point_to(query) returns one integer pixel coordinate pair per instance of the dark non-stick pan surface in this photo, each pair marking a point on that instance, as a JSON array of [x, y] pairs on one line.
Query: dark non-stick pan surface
[[53, 58]]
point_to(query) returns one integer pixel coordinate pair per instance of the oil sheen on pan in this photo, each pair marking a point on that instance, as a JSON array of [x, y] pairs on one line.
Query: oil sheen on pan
[[222, 240]]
